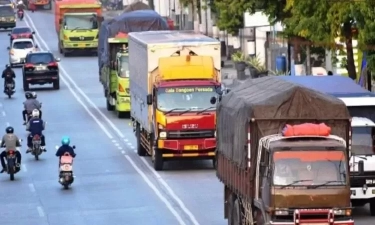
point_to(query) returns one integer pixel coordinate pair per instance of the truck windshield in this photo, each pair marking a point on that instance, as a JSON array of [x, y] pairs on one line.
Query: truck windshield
[[124, 66], [80, 22], [305, 168], [192, 98], [362, 141]]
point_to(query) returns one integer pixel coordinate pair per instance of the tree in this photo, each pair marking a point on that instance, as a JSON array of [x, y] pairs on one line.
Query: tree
[[322, 21]]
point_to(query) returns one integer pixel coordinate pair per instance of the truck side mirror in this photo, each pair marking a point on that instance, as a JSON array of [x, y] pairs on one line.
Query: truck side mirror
[[149, 99], [213, 100], [361, 168]]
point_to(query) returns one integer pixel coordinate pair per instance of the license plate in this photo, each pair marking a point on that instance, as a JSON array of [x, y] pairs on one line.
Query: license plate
[[40, 68], [191, 147], [82, 45]]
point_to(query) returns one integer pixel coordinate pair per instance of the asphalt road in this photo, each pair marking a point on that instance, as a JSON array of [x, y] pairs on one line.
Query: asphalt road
[[113, 185]]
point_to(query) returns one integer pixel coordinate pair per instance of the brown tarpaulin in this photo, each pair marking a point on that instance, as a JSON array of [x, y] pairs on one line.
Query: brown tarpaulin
[[136, 6], [272, 98]]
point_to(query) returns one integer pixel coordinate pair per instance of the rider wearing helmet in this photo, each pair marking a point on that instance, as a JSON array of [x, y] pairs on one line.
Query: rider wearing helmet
[[29, 105], [36, 127], [8, 76], [10, 141], [65, 148]]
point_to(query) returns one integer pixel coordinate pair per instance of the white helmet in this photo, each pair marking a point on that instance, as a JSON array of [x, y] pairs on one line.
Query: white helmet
[[35, 113], [20, 2], [33, 94]]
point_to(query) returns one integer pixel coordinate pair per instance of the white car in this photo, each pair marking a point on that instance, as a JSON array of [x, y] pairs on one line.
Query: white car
[[19, 49]]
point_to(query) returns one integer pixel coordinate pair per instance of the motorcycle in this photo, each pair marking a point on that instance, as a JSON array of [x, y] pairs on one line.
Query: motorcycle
[[20, 14], [66, 177], [11, 163], [9, 89], [36, 149]]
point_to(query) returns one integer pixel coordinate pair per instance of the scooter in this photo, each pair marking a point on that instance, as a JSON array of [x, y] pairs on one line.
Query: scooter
[[66, 177], [11, 162], [9, 89], [20, 14], [36, 149]]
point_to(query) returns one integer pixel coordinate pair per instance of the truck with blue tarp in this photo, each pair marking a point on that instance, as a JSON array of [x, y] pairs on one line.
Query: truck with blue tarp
[[113, 56], [361, 105]]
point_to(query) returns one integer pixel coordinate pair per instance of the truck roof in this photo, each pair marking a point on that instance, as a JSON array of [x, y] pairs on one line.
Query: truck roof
[[303, 142], [362, 122], [329, 84], [178, 37]]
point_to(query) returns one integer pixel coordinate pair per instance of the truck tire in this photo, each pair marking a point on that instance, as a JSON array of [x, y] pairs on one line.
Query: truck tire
[[141, 151], [25, 86], [158, 159], [236, 213], [372, 207], [56, 85], [109, 106]]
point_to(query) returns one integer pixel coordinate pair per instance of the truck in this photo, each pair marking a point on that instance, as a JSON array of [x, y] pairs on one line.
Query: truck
[[77, 25], [361, 105], [276, 177], [40, 4], [174, 74], [113, 57]]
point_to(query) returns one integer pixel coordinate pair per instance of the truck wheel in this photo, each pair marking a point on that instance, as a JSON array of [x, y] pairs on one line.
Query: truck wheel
[[59, 45], [236, 213], [66, 54], [109, 106], [372, 207], [141, 151], [158, 159]]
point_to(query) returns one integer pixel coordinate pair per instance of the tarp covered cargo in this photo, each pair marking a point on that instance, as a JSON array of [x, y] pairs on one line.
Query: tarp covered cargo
[[140, 20], [136, 6], [274, 102]]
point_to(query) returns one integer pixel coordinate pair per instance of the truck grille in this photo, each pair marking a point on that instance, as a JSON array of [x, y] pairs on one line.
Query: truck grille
[[185, 134], [367, 178], [81, 38]]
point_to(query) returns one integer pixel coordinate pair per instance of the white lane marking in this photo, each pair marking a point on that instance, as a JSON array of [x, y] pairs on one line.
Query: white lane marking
[[8, 124], [24, 168], [40, 211], [66, 75], [126, 140], [157, 192], [117, 144], [70, 88], [129, 144], [119, 148], [114, 140], [31, 187], [122, 152], [3, 112], [171, 192]]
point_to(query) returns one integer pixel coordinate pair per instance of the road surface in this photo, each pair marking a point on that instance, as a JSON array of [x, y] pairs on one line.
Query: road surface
[[112, 185]]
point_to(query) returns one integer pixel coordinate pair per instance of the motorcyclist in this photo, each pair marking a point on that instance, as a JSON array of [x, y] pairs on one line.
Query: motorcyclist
[[36, 127], [10, 141], [65, 148], [20, 6], [30, 104], [8, 76]]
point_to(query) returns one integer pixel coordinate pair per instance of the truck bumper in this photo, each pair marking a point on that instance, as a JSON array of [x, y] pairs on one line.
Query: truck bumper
[[122, 103], [361, 193], [74, 46], [347, 222], [7, 24], [188, 148]]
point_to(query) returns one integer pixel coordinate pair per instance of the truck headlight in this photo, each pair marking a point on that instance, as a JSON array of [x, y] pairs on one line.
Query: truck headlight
[[281, 213], [163, 134], [215, 134], [342, 212]]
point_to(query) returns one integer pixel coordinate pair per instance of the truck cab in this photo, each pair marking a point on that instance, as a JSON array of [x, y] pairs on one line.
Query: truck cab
[[302, 180], [78, 28], [115, 77], [362, 163]]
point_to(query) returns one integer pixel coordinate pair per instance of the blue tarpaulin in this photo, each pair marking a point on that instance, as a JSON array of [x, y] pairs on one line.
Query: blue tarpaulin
[[135, 21], [338, 86]]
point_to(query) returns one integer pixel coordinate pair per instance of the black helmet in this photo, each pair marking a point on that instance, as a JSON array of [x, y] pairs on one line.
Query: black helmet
[[9, 130], [7, 66], [28, 95]]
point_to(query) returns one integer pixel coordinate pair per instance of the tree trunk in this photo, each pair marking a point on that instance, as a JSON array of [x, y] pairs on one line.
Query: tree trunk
[[349, 51]]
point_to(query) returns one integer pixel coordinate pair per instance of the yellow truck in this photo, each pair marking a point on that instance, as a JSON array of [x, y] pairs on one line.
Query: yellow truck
[[77, 26], [174, 75]]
